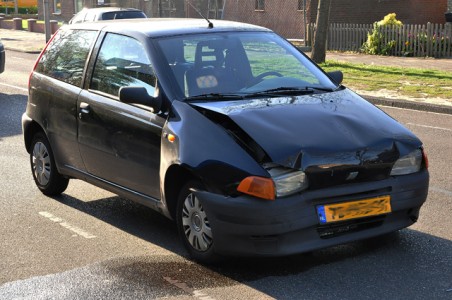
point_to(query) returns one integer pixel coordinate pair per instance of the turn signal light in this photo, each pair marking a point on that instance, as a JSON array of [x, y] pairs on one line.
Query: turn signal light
[[258, 186], [171, 138]]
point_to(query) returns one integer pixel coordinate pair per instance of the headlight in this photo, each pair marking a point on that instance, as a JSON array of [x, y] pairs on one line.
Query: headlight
[[283, 182], [408, 164], [288, 181]]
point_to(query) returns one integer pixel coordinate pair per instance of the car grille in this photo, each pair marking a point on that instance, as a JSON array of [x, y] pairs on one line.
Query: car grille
[[321, 178], [337, 229]]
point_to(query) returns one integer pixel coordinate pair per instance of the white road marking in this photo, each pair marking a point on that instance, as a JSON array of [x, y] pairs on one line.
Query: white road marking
[[15, 87], [440, 190], [183, 286], [66, 225], [415, 110], [432, 127]]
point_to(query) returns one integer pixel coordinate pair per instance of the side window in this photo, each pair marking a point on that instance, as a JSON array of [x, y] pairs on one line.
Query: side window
[[65, 57], [122, 61], [90, 16]]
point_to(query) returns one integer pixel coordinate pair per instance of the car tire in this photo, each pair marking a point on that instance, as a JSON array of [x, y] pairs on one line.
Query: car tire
[[194, 227], [43, 167]]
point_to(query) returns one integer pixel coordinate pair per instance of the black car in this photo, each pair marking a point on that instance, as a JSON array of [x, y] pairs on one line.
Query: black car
[[227, 129], [2, 57], [106, 13]]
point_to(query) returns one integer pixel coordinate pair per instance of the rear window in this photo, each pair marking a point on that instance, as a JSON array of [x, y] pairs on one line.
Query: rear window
[[65, 57], [113, 15]]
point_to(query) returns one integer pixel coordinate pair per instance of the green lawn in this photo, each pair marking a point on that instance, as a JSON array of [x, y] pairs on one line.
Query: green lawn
[[408, 82]]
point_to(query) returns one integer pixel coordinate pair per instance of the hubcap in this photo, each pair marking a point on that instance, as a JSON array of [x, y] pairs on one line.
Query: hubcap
[[196, 225], [41, 163]]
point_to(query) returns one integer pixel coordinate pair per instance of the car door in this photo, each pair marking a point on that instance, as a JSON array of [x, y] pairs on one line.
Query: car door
[[119, 142], [55, 86]]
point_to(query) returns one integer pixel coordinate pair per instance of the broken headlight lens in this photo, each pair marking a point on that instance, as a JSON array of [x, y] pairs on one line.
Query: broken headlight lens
[[287, 181], [408, 164]]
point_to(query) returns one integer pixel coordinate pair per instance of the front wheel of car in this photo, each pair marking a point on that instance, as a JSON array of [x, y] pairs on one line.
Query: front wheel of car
[[43, 167], [194, 226]]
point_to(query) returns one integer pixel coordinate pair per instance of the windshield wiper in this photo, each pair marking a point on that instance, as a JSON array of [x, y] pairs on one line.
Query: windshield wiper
[[316, 88], [284, 91], [215, 96]]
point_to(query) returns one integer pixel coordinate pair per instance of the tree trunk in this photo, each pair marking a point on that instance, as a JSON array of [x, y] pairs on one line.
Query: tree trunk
[[321, 32]]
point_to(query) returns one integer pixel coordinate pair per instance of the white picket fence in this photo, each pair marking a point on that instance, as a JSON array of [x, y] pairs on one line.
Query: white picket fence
[[432, 40]]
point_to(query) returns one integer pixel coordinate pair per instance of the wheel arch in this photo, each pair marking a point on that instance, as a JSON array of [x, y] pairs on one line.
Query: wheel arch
[[29, 131], [176, 177]]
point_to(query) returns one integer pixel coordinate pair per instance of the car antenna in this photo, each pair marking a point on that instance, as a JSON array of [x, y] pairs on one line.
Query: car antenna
[[197, 10]]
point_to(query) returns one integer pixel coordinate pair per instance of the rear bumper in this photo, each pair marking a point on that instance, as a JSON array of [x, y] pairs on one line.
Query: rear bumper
[[249, 226]]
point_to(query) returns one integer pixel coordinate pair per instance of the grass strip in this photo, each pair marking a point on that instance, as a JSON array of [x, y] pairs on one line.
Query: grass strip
[[409, 82]]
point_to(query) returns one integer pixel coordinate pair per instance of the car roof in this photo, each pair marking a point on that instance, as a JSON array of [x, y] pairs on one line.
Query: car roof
[[110, 8], [158, 27]]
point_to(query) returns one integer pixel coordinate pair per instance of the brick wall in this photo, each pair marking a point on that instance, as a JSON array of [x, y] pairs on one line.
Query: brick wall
[[369, 11], [283, 17], [67, 9]]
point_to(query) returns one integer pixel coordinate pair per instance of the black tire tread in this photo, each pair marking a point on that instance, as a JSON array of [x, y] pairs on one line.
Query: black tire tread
[[57, 183], [207, 257]]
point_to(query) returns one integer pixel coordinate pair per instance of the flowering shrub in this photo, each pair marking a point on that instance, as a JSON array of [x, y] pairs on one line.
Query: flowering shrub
[[374, 43]]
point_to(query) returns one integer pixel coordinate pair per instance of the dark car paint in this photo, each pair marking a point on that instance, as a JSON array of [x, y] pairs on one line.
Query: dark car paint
[[249, 226], [119, 147], [2, 57], [56, 113], [120, 143], [206, 152], [306, 128]]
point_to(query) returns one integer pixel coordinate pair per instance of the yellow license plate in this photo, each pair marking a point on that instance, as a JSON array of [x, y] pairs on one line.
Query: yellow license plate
[[354, 209]]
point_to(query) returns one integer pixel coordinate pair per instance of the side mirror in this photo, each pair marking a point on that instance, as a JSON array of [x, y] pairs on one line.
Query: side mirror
[[337, 76], [139, 95]]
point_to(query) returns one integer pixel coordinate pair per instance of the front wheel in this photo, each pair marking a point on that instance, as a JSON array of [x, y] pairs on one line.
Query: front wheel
[[194, 226], [43, 167]]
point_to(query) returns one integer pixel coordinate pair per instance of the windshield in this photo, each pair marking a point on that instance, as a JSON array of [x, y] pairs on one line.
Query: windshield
[[240, 64]]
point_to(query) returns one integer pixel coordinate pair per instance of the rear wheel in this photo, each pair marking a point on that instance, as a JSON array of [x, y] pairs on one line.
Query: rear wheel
[[194, 226], [43, 167]]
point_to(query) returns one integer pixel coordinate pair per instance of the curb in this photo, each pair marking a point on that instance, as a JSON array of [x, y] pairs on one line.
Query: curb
[[410, 105], [23, 50]]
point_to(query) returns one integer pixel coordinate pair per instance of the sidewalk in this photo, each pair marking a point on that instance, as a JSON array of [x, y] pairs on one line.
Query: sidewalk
[[23, 41], [32, 42]]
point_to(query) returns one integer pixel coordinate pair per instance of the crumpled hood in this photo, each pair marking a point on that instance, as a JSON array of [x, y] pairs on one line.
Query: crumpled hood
[[319, 129]]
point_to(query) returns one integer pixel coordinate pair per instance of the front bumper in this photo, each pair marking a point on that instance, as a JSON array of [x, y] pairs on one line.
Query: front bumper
[[250, 226]]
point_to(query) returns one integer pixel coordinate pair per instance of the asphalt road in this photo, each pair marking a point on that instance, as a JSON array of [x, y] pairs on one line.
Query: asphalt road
[[91, 244]]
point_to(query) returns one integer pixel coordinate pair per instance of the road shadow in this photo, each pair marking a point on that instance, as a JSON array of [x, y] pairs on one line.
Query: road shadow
[[11, 106], [405, 264]]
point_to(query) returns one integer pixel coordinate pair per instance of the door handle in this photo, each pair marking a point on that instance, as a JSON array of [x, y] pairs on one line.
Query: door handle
[[84, 109]]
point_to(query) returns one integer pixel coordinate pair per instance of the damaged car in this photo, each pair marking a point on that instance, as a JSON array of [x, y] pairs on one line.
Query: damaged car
[[227, 129]]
